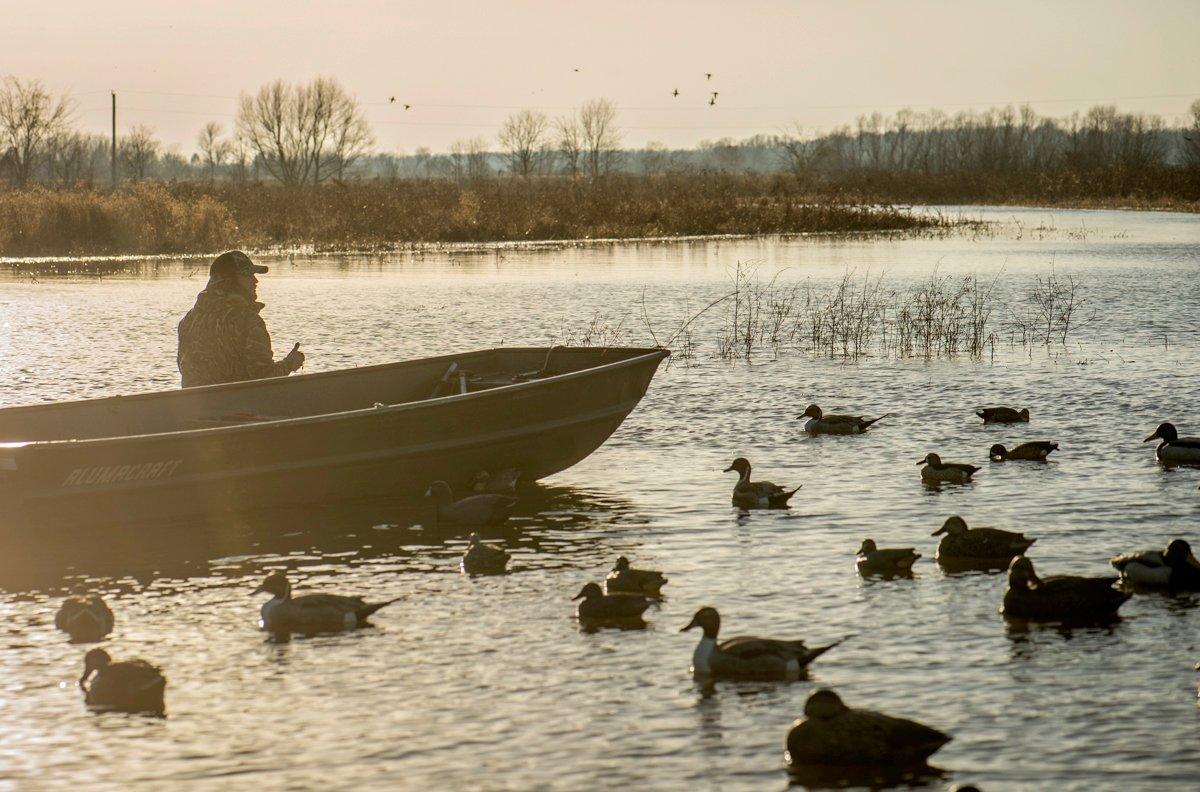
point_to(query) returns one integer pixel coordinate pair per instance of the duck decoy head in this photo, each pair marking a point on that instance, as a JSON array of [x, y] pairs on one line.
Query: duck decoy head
[[622, 564], [824, 704], [998, 452], [708, 620], [589, 591], [473, 539], [1165, 432], [1179, 552], [1021, 574], [440, 491], [931, 459], [953, 526], [1024, 414], [94, 660], [868, 547], [275, 584], [812, 411], [741, 465], [480, 481]]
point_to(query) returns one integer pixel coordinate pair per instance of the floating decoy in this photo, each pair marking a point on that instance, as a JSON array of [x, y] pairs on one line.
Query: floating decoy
[[503, 483], [127, 686], [484, 559], [833, 734], [749, 494], [979, 544], [625, 578], [819, 423], [596, 606], [889, 561], [938, 472], [1003, 415], [1059, 597], [1035, 451], [746, 657], [1173, 448], [85, 617], [1174, 568], [472, 510], [311, 613]]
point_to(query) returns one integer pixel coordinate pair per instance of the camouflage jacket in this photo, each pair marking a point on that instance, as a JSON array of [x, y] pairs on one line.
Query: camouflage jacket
[[223, 339]]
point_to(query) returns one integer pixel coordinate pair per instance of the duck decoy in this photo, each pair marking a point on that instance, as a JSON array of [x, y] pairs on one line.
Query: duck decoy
[[871, 560], [982, 545], [1035, 451], [1059, 597], [85, 617], [503, 483], [596, 606], [1173, 448], [311, 613], [1003, 415], [127, 686], [625, 578], [484, 559], [749, 494], [1174, 568], [471, 510], [747, 657], [833, 734], [938, 472], [819, 423]]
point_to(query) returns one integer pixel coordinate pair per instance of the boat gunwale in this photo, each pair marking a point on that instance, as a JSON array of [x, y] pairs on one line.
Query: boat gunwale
[[646, 353]]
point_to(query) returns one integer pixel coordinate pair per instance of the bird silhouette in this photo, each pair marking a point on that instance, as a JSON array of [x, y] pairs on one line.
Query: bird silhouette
[[575, 70], [714, 94], [407, 106], [712, 101], [675, 92], [392, 99], [708, 75]]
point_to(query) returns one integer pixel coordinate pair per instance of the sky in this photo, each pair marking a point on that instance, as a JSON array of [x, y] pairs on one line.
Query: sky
[[463, 67]]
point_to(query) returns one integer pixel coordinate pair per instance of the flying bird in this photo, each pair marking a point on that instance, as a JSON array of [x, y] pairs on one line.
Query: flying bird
[[712, 101], [708, 75], [407, 106], [675, 92], [392, 99]]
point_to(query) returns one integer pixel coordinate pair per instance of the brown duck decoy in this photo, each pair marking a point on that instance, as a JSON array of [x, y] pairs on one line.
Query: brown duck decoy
[[833, 734], [127, 686], [624, 578], [481, 558], [85, 617], [938, 472], [472, 510], [748, 657], [1174, 568], [1059, 597], [872, 560], [990, 546], [502, 483], [749, 494], [311, 613], [819, 423], [1003, 415], [1035, 451], [596, 606], [1175, 449]]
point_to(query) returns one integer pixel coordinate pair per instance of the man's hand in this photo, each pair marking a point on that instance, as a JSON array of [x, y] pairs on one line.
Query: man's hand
[[295, 358]]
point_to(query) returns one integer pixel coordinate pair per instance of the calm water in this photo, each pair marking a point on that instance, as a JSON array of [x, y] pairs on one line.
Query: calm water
[[490, 683]]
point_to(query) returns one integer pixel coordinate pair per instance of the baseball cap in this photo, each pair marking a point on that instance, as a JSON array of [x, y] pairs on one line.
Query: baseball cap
[[234, 262]]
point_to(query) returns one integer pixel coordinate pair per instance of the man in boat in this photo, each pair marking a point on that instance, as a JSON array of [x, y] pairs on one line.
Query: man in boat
[[223, 338]]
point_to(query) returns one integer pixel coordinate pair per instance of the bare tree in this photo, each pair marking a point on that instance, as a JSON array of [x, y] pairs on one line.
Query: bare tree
[[1191, 136], [138, 150], [654, 158], [570, 143], [521, 138], [468, 159], [598, 127], [29, 117], [71, 156], [304, 133], [213, 149]]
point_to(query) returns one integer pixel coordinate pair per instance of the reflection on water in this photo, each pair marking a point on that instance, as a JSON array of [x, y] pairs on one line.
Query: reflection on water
[[473, 680]]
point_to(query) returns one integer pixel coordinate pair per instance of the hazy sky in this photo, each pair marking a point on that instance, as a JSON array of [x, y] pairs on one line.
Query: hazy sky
[[464, 66]]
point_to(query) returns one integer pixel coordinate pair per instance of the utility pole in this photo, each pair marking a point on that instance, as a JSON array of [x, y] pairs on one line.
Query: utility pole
[[114, 138]]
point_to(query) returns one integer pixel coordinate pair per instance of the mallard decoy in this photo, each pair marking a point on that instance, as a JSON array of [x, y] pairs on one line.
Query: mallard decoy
[[471, 510], [979, 544], [746, 657], [833, 734], [127, 686], [1173, 448], [1002, 415], [938, 472], [1059, 597], [749, 494], [484, 559], [85, 617], [819, 423], [1174, 568], [1035, 451], [596, 606], [870, 560], [625, 578], [503, 483], [311, 613]]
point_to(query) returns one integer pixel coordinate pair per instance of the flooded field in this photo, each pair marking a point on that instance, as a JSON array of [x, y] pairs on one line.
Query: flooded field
[[490, 683]]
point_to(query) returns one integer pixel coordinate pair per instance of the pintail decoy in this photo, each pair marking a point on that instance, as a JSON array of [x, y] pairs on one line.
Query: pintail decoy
[[749, 494], [938, 472], [503, 483], [979, 544], [747, 657], [127, 686], [472, 510], [1173, 448], [833, 734], [1059, 597], [596, 606], [1003, 415], [1174, 568], [85, 617], [484, 559], [1035, 451], [311, 613], [871, 560], [819, 423], [625, 578]]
